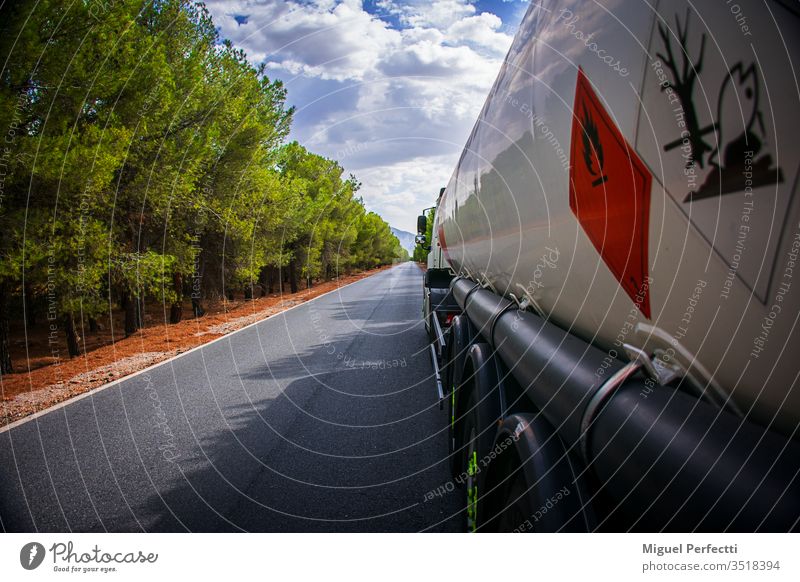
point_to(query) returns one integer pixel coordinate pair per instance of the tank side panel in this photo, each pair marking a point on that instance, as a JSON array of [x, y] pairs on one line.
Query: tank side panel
[[723, 310]]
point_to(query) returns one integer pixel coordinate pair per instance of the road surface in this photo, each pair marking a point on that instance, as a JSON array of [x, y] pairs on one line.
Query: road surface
[[322, 418]]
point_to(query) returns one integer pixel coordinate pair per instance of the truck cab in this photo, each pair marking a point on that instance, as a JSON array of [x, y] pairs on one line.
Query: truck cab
[[438, 276]]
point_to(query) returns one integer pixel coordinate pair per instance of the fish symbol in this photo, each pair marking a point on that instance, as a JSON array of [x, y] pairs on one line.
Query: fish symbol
[[738, 110], [737, 106]]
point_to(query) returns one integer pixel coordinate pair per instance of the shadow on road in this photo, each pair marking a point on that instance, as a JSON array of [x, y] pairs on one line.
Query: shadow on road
[[318, 458]]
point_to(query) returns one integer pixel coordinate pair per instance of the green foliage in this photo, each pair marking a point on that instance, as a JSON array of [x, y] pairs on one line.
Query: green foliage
[[146, 274], [140, 152], [420, 252], [330, 231]]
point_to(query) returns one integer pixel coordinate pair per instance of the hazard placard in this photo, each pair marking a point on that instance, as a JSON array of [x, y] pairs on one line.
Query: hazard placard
[[609, 193]]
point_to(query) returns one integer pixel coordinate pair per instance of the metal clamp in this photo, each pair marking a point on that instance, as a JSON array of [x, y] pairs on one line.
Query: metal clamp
[[531, 302], [658, 371], [599, 397], [507, 308]]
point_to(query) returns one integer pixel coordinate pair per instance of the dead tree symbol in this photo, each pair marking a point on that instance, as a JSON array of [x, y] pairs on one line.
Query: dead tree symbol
[[683, 80]]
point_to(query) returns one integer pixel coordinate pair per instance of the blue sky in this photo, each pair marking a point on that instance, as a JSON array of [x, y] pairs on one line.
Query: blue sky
[[389, 88]]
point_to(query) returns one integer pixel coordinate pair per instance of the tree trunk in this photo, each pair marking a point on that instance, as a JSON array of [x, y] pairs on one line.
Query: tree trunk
[[270, 280], [292, 277], [92, 325], [176, 310], [30, 309], [5, 347], [131, 318], [248, 292], [197, 308], [197, 294], [140, 313], [73, 341], [308, 283], [175, 313], [262, 281]]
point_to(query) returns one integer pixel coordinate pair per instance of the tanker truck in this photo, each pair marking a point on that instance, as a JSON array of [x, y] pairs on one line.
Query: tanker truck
[[610, 292]]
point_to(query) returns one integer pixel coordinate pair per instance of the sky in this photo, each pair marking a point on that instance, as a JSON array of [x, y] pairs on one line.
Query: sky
[[390, 89]]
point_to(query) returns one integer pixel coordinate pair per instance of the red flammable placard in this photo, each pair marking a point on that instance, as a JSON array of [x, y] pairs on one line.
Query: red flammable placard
[[609, 193]]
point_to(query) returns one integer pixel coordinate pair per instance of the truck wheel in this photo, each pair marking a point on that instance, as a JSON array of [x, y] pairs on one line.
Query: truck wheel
[[532, 484], [480, 416], [460, 336]]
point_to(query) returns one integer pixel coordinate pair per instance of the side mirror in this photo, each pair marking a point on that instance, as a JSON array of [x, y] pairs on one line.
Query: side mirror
[[422, 224], [420, 239]]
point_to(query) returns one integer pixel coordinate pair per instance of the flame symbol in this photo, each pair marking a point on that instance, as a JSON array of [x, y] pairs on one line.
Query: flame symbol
[[34, 551], [592, 148]]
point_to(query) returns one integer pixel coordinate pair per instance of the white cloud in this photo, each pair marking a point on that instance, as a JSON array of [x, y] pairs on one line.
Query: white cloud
[[326, 40], [394, 103], [482, 30], [429, 14], [399, 191]]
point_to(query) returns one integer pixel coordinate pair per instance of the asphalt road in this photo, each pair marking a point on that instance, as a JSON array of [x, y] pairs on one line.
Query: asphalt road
[[322, 418]]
